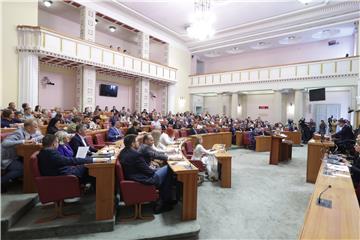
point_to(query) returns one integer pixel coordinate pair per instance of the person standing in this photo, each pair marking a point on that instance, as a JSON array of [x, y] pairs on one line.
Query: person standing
[[322, 128]]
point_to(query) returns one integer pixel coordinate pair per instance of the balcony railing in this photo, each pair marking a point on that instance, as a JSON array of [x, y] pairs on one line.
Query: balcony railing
[[340, 67], [47, 42]]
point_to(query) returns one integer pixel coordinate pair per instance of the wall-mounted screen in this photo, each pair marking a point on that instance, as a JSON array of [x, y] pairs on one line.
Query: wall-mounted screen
[[317, 94], [108, 90]]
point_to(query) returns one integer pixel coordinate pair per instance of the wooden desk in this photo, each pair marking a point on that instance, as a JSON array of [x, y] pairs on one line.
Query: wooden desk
[[263, 143], [210, 139], [342, 221], [295, 137], [188, 177], [316, 150], [275, 151], [8, 130], [105, 185], [25, 151], [224, 159], [239, 138]]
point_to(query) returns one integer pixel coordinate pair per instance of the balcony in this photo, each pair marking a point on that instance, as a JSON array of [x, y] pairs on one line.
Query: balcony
[[332, 72], [73, 51]]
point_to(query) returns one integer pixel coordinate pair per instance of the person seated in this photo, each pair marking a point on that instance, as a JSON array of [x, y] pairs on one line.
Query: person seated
[[18, 117], [134, 129], [12, 106], [115, 133], [10, 162], [149, 153], [136, 169], [71, 128], [156, 124], [64, 147], [97, 123], [7, 118], [52, 163], [53, 126], [23, 106], [193, 130], [167, 137], [158, 146], [114, 110], [88, 123], [27, 113], [345, 138], [79, 140], [37, 111], [206, 157]]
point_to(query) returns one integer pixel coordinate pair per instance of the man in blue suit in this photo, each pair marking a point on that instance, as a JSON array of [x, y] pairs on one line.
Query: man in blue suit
[[52, 163], [137, 169], [79, 140], [115, 132]]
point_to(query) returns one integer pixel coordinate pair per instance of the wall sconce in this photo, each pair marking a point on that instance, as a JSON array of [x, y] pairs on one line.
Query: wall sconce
[[239, 109], [46, 81], [181, 102]]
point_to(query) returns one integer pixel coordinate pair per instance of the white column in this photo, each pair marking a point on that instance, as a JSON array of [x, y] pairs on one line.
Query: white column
[[298, 105], [234, 105], [356, 39], [219, 104], [166, 54], [242, 106], [87, 24], [86, 76], [171, 101], [278, 107], [28, 78], [164, 97]]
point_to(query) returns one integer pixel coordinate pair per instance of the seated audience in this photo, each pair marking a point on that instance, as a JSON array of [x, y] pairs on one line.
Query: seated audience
[[156, 124], [23, 106], [7, 118], [136, 169], [53, 126], [27, 113], [12, 106], [10, 162], [71, 128], [167, 137], [158, 146], [79, 140], [52, 163], [200, 153], [134, 129], [115, 133], [18, 117], [64, 147]]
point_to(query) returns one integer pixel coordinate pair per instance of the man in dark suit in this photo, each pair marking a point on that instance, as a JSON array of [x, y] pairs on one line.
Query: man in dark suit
[[136, 169], [52, 163], [193, 130], [134, 129], [149, 153], [79, 140], [345, 133], [115, 133]]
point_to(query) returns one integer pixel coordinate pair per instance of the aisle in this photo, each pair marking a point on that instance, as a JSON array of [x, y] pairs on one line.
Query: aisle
[[265, 201]]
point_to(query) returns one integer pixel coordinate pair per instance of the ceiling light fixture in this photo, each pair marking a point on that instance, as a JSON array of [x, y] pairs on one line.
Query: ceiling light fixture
[[47, 3], [96, 21], [201, 23], [305, 2], [112, 29]]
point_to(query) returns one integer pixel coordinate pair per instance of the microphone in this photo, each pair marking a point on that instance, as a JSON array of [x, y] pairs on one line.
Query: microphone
[[319, 198]]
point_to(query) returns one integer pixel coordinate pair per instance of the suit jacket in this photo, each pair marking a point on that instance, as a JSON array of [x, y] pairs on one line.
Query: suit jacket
[[76, 142], [345, 133], [149, 153], [65, 150], [8, 146], [135, 167], [52, 163], [114, 134], [193, 131]]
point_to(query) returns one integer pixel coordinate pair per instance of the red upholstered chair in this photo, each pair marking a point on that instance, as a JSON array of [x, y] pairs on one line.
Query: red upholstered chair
[[54, 188], [134, 193], [100, 140], [90, 141], [183, 133], [176, 134], [210, 130], [246, 139], [189, 147]]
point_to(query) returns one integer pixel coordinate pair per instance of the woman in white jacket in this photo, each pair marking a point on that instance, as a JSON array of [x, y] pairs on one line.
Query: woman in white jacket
[[207, 157]]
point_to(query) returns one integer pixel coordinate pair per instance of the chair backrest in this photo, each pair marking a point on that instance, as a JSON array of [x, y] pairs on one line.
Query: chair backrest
[[119, 171], [100, 138], [183, 133], [89, 140], [189, 147], [176, 134], [210, 130], [246, 138], [35, 165]]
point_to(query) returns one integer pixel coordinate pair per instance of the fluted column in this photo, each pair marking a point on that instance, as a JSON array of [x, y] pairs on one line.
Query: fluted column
[[28, 78], [234, 105], [86, 75], [219, 104], [171, 93], [356, 39], [242, 106], [299, 105], [279, 111]]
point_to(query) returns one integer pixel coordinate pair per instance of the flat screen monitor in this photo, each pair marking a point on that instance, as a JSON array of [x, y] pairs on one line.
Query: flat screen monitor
[[317, 94], [108, 90]]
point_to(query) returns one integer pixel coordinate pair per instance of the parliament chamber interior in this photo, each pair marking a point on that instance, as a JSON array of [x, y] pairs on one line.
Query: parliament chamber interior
[[196, 119]]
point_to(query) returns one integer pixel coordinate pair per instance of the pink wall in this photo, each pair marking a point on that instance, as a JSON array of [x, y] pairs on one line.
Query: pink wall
[[62, 94], [125, 97], [284, 55], [155, 103], [157, 52]]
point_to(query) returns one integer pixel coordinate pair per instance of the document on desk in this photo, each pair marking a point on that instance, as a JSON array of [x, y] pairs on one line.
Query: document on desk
[[81, 152]]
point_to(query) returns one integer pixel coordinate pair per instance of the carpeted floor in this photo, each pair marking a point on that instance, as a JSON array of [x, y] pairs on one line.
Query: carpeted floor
[[265, 201]]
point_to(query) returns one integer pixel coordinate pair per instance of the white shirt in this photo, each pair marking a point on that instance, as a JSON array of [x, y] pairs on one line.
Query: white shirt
[[156, 124], [83, 140], [165, 139], [199, 151]]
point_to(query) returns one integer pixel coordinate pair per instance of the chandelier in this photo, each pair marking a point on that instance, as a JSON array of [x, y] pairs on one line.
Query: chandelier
[[201, 22]]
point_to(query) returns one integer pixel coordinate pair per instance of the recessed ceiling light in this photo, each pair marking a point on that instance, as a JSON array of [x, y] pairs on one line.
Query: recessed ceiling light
[[326, 33], [212, 54], [96, 21], [235, 50], [261, 45], [112, 29], [47, 3], [290, 40], [306, 2]]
